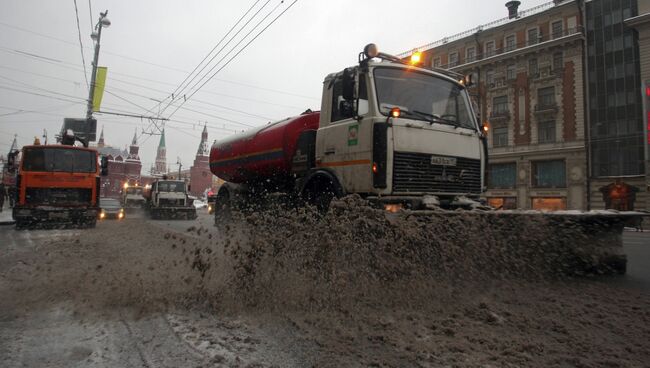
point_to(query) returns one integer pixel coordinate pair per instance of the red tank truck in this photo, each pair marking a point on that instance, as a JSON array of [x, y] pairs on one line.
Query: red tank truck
[[397, 134]]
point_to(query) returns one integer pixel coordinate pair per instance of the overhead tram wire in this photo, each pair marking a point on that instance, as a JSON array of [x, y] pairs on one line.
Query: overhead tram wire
[[199, 112], [227, 120], [150, 63], [224, 46], [234, 56], [75, 67], [266, 118], [38, 94], [83, 59], [234, 47], [217, 45], [23, 84]]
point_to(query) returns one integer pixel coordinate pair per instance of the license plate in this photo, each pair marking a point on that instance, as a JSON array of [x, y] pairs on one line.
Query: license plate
[[443, 161], [58, 215]]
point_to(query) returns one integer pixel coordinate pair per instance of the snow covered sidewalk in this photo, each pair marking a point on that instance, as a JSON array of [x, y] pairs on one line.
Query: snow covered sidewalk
[[5, 215]]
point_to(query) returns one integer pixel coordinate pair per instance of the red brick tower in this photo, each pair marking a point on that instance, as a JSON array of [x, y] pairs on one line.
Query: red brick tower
[[200, 175]]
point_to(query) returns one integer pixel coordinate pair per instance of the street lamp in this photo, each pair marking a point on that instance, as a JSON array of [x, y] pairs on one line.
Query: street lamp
[[96, 36]]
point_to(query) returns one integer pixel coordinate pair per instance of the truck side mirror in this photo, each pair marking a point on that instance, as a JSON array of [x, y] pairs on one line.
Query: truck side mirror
[[348, 84], [104, 166]]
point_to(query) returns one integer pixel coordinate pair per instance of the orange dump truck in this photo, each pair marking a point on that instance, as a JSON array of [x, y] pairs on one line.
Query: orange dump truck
[[57, 184]]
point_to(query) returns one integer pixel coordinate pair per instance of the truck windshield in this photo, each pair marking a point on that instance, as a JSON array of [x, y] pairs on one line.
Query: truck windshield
[[171, 186], [50, 159], [423, 97], [136, 191]]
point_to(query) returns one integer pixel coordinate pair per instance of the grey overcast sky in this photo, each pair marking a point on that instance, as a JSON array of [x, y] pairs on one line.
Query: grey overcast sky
[[152, 45]]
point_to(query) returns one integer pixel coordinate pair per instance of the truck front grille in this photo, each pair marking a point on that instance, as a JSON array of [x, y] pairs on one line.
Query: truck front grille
[[414, 173], [58, 196]]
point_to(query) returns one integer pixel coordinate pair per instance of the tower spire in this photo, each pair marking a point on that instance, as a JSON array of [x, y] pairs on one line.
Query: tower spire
[[203, 146], [100, 142], [14, 144], [161, 155]]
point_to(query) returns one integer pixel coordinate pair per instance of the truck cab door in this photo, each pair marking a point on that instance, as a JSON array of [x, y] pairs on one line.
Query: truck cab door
[[342, 144]]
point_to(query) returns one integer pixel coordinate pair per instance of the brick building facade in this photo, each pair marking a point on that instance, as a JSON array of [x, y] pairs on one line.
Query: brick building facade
[[123, 167], [528, 72]]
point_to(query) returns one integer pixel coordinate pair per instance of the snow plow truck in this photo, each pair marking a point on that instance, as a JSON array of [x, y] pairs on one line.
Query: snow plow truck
[[58, 184], [168, 199], [401, 136]]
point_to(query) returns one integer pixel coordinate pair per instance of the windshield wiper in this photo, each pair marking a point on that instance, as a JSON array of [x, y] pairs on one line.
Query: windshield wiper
[[433, 118]]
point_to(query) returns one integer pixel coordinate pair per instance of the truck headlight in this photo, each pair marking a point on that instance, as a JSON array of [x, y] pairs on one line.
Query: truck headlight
[[102, 215], [120, 215]]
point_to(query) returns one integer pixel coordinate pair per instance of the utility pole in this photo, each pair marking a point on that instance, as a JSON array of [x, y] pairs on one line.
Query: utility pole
[[96, 36]]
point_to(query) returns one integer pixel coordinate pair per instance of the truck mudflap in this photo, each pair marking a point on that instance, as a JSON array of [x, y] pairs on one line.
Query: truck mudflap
[[575, 242], [173, 213], [27, 217]]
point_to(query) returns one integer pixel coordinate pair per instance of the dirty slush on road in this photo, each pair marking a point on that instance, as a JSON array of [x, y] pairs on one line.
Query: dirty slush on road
[[357, 287]]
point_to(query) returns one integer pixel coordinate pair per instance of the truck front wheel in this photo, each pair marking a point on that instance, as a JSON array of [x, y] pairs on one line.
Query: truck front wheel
[[319, 194], [222, 207]]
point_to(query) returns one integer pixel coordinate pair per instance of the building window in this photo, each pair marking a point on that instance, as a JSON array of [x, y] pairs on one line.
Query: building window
[[502, 176], [549, 174], [500, 137], [546, 97], [549, 203], [503, 203], [511, 72], [546, 131], [556, 29], [533, 70], [500, 106], [558, 60], [489, 78], [511, 43], [489, 49], [436, 62], [470, 54], [533, 36], [453, 59]]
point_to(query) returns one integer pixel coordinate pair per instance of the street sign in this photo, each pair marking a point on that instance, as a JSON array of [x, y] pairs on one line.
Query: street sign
[[82, 128]]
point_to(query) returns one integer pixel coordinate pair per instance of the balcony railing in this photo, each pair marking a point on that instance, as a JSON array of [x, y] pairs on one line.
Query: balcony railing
[[483, 27], [547, 72], [547, 107], [480, 55], [499, 115]]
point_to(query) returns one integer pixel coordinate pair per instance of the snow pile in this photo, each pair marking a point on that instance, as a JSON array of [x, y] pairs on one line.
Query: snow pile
[[359, 254]]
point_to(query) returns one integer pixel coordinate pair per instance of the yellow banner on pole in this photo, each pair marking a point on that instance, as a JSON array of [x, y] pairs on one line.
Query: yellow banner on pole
[[100, 82]]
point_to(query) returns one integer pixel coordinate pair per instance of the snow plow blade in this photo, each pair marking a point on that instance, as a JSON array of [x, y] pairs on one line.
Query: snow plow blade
[[173, 213], [574, 242]]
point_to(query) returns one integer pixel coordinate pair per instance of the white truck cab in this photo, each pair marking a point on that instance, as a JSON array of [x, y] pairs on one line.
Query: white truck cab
[[401, 134]]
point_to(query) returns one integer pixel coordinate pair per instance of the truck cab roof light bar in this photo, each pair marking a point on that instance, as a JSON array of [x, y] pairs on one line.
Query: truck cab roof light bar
[[371, 51]]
